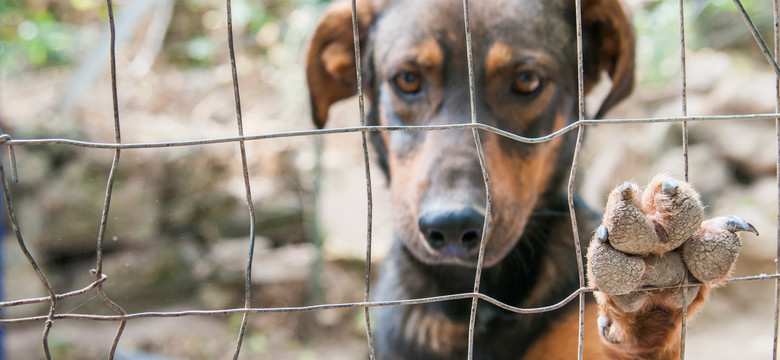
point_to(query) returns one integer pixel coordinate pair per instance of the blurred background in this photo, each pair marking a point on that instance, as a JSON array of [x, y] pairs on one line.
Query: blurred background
[[177, 234]]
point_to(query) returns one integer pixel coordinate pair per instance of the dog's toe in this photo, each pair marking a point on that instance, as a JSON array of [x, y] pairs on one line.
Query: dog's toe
[[629, 229], [675, 209], [712, 251], [664, 270], [612, 271]]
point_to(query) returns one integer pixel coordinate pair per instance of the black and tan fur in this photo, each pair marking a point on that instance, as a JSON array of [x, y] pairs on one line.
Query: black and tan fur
[[415, 73]]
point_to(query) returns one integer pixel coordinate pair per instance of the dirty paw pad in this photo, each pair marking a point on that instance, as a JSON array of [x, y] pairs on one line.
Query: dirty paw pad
[[711, 252], [659, 220], [654, 238]]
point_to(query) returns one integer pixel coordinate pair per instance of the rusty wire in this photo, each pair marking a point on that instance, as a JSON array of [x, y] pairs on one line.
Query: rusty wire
[[418, 301], [7, 139], [684, 104], [247, 187], [572, 175], [366, 304], [52, 298], [485, 179], [367, 168], [776, 33], [774, 65], [98, 271]]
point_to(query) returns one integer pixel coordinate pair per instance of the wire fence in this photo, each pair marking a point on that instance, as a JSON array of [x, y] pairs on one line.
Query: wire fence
[[122, 317]]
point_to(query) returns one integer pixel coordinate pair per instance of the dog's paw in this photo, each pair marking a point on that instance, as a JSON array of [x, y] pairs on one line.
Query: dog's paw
[[656, 239]]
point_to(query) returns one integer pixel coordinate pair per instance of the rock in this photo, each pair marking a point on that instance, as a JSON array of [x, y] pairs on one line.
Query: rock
[[745, 145]]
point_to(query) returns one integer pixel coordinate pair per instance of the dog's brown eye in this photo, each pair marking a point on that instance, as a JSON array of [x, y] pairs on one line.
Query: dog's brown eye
[[408, 82], [526, 82]]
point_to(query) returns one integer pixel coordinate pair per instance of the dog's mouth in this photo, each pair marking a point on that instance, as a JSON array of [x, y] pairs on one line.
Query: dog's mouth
[[452, 255]]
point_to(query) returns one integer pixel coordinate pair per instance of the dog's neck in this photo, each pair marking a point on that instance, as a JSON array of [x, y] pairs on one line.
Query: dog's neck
[[526, 278]]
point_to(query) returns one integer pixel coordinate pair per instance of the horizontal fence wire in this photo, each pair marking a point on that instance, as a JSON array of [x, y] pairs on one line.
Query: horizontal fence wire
[[122, 317], [357, 305], [7, 139]]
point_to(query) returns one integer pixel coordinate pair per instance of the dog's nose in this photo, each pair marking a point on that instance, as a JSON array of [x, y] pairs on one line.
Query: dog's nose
[[454, 233]]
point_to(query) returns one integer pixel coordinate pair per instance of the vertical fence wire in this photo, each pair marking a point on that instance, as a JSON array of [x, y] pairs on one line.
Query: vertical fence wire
[[684, 105], [577, 248], [485, 178], [367, 168], [247, 185], [776, 35], [683, 90], [572, 175], [773, 63], [757, 36], [98, 271], [52, 298]]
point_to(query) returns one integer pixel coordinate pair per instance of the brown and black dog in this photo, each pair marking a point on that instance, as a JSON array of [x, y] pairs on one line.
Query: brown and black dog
[[415, 73]]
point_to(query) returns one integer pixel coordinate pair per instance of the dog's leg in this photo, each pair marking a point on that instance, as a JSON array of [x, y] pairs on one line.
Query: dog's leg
[[651, 240]]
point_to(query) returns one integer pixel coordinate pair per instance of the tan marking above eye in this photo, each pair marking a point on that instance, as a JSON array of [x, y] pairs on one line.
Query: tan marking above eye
[[526, 82], [429, 54], [499, 56], [408, 82]]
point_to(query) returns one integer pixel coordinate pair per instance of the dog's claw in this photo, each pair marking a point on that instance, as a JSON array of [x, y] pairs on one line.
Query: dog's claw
[[604, 323], [626, 191], [602, 234], [735, 223], [669, 187]]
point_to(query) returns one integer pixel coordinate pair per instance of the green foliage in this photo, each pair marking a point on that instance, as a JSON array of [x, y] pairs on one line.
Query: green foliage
[[713, 24], [33, 38], [197, 34], [52, 33]]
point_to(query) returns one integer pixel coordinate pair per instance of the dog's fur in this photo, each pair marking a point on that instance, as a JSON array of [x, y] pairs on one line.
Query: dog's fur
[[415, 73]]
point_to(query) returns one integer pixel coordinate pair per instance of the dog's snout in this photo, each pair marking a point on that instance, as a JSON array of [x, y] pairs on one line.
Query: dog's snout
[[453, 232]]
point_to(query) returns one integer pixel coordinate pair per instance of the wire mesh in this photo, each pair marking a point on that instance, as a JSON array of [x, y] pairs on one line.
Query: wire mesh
[[122, 317]]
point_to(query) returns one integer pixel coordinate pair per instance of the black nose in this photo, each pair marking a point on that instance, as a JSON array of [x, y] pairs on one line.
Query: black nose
[[454, 233]]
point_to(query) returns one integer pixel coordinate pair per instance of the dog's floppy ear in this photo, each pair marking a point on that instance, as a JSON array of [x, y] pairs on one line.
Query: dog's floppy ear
[[607, 25], [330, 61]]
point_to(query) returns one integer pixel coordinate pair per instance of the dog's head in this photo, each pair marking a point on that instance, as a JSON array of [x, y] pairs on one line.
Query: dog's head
[[416, 73]]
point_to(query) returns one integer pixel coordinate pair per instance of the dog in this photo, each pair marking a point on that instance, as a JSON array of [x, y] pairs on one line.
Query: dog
[[415, 72]]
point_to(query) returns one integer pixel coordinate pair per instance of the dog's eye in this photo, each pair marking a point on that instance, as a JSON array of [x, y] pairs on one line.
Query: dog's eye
[[526, 82], [408, 82]]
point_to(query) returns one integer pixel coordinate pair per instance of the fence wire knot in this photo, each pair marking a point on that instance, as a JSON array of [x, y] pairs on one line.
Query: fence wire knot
[[6, 138]]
